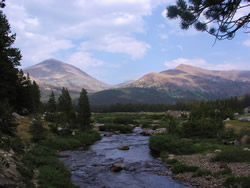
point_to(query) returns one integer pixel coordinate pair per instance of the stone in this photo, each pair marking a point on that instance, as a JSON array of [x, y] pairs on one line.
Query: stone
[[63, 155], [217, 151], [124, 147], [228, 119], [108, 134], [245, 139], [246, 149], [160, 131], [16, 115], [117, 132], [147, 133], [171, 156], [116, 167]]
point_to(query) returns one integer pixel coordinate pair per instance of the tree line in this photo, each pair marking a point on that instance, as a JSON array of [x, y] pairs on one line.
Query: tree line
[[233, 104]]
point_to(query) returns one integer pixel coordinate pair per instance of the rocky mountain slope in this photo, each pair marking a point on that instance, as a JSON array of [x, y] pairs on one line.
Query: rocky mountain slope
[[182, 83], [54, 74]]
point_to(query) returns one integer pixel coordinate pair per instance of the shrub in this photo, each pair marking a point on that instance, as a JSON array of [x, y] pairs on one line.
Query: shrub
[[203, 128], [243, 182], [171, 144], [115, 127], [52, 172], [37, 131], [181, 168], [233, 155], [7, 123], [202, 172], [123, 120]]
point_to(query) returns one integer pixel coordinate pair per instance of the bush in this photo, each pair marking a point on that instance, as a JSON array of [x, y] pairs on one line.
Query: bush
[[123, 120], [52, 172], [202, 172], [171, 144], [181, 168], [233, 155], [37, 131], [54, 176], [116, 127], [7, 123], [203, 128], [242, 182]]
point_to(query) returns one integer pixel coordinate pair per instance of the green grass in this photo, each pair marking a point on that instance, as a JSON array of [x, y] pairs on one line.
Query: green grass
[[52, 172], [116, 127], [242, 182], [179, 167], [233, 154], [238, 125], [171, 144]]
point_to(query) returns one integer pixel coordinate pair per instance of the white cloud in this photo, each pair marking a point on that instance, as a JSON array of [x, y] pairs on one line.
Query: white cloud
[[77, 21], [247, 43], [118, 44], [199, 62], [84, 60]]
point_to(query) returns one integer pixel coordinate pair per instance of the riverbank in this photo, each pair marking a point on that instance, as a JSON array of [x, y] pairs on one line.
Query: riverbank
[[204, 162], [207, 173], [32, 164]]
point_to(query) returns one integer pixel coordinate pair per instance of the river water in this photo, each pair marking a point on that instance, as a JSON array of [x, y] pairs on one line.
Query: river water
[[91, 168]]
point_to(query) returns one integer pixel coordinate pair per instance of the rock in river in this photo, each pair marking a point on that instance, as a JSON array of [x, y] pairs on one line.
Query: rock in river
[[124, 147], [116, 167]]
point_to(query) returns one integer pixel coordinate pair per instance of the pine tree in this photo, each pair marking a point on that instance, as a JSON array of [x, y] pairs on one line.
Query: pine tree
[[7, 124], [65, 106], [84, 113], [52, 103], [35, 95], [9, 59], [222, 18]]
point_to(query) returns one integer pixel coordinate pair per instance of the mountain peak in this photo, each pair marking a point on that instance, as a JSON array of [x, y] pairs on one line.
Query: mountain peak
[[57, 74]]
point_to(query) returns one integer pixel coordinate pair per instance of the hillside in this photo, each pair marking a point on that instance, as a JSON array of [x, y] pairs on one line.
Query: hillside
[[182, 83], [54, 74]]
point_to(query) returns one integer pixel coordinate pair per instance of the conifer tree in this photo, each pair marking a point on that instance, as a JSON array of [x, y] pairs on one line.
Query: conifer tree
[[84, 113], [65, 106], [9, 59], [7, 123], [35, 95], [52, 103], [221, 19]]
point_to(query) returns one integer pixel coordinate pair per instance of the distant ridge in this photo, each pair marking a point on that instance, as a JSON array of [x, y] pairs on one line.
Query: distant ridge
[[185, 82]]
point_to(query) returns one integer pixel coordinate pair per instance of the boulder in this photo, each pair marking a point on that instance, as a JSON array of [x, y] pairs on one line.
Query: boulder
[[171, 156], [217, 151], [108, 134], [147, 133], [245, 139], [116, 167], [246, 149], [117, 132], [124, 147], [16, 115], [160, 131], [63, 155]]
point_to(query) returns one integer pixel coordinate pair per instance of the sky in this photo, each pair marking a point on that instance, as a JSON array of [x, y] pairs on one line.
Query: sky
[[118, 40]]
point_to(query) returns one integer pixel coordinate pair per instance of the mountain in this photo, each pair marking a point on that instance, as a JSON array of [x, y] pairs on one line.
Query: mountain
[[239, 75], [182, 83], [54, 74]]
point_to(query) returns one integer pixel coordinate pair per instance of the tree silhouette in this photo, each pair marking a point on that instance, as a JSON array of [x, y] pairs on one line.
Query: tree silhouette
[[217, 17]]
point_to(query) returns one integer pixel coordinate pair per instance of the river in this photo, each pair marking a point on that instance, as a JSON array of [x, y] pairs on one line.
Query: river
[[91, 168]]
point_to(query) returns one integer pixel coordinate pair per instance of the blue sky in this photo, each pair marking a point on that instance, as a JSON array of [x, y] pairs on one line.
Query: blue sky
[[118, 40]]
